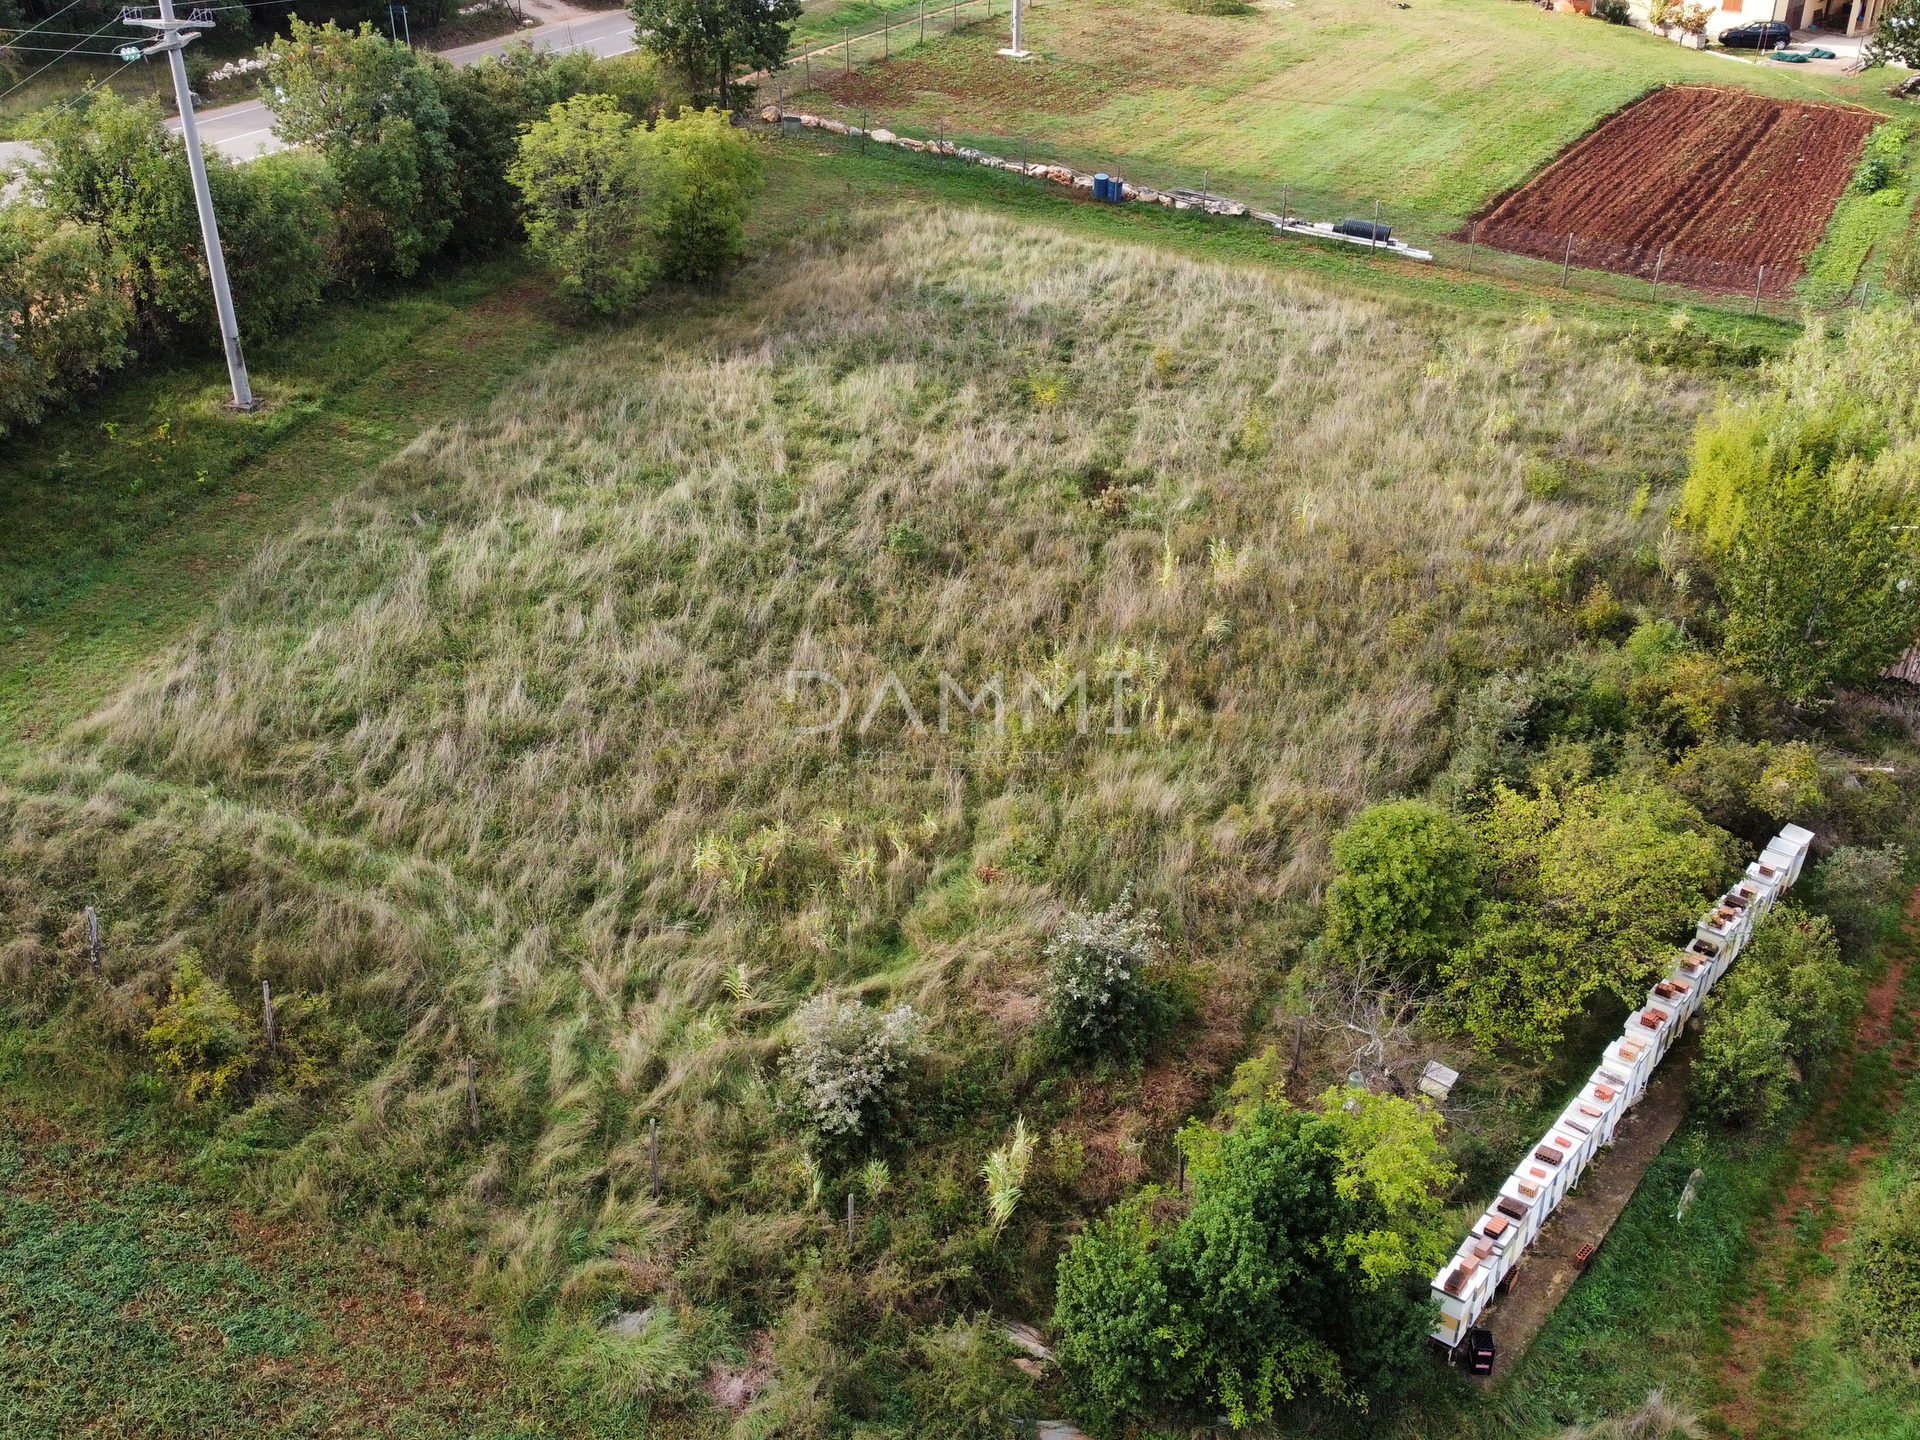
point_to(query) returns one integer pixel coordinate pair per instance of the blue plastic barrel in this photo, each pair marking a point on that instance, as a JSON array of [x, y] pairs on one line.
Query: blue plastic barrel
[[1100, 188]]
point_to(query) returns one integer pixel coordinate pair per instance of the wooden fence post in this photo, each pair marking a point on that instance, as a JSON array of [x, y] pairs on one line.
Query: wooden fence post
[[1566, 264], [1758, 281], [473, 1099], [653, 1154], [849, 1220], [93, 938], [1659, 261], [266, 1018]]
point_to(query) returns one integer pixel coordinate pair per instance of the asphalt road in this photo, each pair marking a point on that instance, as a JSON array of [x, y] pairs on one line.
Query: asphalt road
[[243, 131]]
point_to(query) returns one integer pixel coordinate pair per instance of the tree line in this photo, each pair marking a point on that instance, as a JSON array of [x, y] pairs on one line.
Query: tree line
[[399, 161]]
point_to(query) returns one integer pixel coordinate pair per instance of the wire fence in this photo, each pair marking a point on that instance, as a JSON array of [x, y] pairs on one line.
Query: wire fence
[[821, 60], [1570, 262]]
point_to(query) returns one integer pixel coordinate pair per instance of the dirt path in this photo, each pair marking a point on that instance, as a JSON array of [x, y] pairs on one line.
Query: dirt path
[[1542, 1279], [1797, 1246]]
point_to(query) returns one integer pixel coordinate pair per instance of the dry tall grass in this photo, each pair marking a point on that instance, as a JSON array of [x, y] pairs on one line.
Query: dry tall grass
[[499, 753]]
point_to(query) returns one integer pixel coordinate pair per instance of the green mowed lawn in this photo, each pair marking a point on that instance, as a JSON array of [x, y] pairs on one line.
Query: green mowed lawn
[[1430, 110]]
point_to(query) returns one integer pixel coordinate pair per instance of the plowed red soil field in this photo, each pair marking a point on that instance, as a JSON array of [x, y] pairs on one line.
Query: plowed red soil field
[[1702, 184]]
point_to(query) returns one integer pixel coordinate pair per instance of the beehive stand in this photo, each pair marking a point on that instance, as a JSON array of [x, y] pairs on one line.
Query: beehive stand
[[1627, 1080]]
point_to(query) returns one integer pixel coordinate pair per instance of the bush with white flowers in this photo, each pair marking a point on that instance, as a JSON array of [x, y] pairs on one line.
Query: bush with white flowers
[[843, 1059], [1099, 994]]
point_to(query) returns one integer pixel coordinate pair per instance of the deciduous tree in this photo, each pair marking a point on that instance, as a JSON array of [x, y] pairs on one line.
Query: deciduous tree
[[1587, 889], [589, 193], [1404, 889], [715, 41], [374, 110], [1298, 1269]]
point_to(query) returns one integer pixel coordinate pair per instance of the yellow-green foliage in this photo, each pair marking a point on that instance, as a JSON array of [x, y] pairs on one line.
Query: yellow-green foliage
[[1804, 501], [1585, 890], [199, 1034]]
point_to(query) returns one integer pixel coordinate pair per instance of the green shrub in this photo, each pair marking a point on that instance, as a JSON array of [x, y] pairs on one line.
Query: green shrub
[[1683, 344], [1403, 889], [844, 1058], [707, 172], [199, 1035], [1786, 1005], [374, 110], [1299, 1269], [1584, 890], [1855, 887], [64, 317], [489, 106], [1614, 12], [610, 205], [1742, 1075], [1101, 994], [588, 195], [641, 85], [1880, 1299], [277, 232], [964, 1385], [110, 162], [1804, 504]]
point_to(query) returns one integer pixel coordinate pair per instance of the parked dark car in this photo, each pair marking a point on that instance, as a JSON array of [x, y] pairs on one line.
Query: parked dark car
[[1760, 35]]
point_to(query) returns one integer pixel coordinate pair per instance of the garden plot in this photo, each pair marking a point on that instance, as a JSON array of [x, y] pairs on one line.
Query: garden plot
[[1700, 185]]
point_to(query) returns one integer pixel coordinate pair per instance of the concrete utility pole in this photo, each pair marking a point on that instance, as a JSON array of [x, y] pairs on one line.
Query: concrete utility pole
[[175, 36], [1015, 51]]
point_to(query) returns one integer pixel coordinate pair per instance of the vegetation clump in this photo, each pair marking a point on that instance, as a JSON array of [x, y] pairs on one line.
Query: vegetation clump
[[1404, 890], [1774, 1018], [1102, 996], [843, 1060], [199, 1034], [1803, 503], [1298, 1268]]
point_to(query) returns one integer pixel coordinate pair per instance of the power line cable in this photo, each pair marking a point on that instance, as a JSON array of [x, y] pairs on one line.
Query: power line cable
[[58, 58], [51, 18], [56, 50]]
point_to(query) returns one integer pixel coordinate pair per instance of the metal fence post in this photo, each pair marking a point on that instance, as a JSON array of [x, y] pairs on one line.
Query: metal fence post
[[1566, 263], [1658, 261], [1473, 236], [267, 1026], [1376, 225], [473, 1099], [653, 1154], [93, 938], [847, 32], [923, 22], [1757, 281]]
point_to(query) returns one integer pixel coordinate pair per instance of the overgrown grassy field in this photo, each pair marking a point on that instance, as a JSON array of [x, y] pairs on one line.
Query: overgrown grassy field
[[1429, 110], [498, 754]]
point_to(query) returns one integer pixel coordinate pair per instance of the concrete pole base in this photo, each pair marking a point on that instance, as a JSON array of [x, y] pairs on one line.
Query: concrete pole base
[[1012, 54]]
